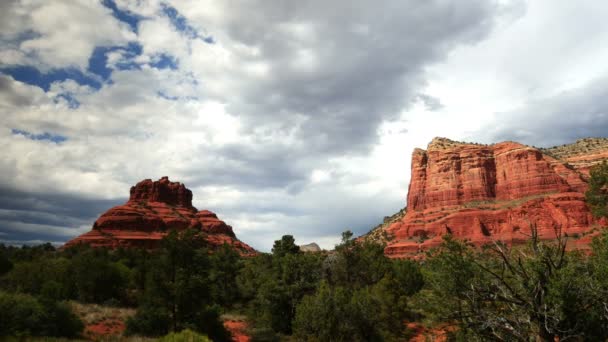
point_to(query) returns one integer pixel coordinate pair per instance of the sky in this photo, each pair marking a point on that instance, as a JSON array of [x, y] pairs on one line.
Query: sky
[[283, 117]]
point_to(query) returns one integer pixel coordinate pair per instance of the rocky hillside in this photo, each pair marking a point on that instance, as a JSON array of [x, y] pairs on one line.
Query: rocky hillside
[[379, 234], [310, 248], [494, 192], [582, 154], [153, 209]]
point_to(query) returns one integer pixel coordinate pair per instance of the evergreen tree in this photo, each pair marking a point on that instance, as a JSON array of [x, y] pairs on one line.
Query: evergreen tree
[[285, 246], [177, 292], [597, 194]]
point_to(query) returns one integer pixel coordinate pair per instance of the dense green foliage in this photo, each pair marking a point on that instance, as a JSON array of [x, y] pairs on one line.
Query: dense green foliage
[[530, 292], [537, 291], [180, 286], [273, 284], [363, 296], [352, 294], [177, 292], [24, 315], [597, 194]]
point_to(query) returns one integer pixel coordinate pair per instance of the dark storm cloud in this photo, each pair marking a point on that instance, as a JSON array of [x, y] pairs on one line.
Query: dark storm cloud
[[559, 119], [346, 66], [48, 217]]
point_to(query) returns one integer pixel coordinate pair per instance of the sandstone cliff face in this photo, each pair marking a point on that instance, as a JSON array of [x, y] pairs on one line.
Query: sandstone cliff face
[[489, 192], [153, 209]]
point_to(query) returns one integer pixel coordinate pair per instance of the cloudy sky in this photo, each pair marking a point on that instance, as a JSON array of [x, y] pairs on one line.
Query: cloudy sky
[[283, 117]]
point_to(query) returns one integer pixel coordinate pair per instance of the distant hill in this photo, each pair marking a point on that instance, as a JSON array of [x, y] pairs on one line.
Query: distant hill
[[311, 247]]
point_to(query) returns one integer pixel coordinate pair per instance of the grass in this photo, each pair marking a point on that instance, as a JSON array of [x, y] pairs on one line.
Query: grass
[[95, 313]]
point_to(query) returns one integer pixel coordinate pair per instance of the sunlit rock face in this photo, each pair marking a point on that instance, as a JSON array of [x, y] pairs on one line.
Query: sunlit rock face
[[485, 193], [153, 209]]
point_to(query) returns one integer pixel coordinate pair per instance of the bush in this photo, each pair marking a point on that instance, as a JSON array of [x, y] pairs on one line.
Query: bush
[[185, 336], [31, 276], [536, 291], [61, 321], [97, 279], [149, 321], [24, 315], [597, 195], [374, 313]]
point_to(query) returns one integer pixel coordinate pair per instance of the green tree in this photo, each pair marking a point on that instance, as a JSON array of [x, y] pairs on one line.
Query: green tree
[[408, 275], [32, 277], [337, 313], [537, 291], [273, 284], [225, 266], [5, 264], [356, 264], [319, 316], [285, 246], [364, 296], [24, 315], [597, 194], [97, 279], [177, 293]]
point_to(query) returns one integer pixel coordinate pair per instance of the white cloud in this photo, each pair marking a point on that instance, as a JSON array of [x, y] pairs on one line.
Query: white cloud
[[58, 34]]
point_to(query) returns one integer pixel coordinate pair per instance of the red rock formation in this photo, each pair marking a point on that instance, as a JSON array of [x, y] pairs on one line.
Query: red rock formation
[[489, 192], [153, 209]]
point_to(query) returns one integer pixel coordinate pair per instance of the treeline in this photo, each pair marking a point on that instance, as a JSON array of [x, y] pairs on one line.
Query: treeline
[[352, 294], [180, 286], [536, 291]]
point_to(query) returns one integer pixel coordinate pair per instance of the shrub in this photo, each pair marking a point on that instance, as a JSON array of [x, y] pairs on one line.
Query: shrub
[[597, 195], [185, 336], [149, 321], [24, 315]]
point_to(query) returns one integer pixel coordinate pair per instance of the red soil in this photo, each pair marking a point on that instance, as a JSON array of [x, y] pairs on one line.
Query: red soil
[[237, 329], [103, 329]]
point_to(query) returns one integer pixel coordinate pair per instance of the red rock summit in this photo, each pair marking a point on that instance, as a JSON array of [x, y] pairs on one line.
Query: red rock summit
[[494, 192], [153, 209]]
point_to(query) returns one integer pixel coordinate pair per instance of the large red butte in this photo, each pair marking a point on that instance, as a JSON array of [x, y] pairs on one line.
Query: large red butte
[[153, 209], [491, 192]]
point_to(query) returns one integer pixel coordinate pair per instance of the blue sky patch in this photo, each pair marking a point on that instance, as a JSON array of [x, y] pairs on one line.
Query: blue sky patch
[[124, 16], [181, 24], [99, 59], [164, 61], [33, 76], [179, 21], [56, 138]]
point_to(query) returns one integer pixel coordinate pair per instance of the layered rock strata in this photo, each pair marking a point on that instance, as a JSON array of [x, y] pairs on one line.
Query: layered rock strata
[[153, 209], [485, 193]]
